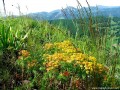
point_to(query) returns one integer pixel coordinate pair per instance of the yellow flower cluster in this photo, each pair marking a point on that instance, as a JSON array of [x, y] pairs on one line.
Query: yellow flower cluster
[[65, 46], [31, 63], [24, 57], [68, 53], [24, 53], [67, 57], [48, 46]]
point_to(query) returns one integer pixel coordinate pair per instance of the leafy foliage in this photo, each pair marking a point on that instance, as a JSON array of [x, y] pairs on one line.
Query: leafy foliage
[[39, 57]]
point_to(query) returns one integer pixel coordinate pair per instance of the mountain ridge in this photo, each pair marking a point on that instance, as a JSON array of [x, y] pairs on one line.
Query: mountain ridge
[[58, 14]]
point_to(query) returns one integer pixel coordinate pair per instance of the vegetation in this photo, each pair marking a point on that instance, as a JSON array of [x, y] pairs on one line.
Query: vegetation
[[49, 55]]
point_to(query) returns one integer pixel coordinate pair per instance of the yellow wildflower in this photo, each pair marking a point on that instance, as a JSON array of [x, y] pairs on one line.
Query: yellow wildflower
[[24, 53], [66, 51], [48, 46], [31, 63], [92, 58]]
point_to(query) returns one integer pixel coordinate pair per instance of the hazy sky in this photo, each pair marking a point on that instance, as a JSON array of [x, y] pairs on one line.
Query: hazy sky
[[28, 6]]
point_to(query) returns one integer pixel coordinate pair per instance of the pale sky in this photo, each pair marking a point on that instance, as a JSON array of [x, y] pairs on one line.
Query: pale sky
[[28, 6]]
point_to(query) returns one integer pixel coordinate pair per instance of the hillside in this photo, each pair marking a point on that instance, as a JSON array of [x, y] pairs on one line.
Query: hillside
[[102, 23], [36, 54], [58, 14]]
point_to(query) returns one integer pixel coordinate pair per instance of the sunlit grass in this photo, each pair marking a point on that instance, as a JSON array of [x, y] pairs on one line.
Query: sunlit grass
[[38, 55]]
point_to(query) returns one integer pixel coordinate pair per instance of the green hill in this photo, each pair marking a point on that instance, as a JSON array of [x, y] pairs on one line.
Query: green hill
[[59, 55], [99, 10]]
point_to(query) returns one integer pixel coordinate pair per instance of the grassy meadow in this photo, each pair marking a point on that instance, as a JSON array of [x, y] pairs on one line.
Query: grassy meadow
[[78, 54]]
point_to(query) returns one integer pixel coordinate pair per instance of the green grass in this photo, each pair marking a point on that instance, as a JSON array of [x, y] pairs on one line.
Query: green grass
[[31, 35]]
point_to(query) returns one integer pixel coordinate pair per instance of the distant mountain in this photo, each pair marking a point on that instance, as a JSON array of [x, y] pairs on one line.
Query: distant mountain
[[70, 12]]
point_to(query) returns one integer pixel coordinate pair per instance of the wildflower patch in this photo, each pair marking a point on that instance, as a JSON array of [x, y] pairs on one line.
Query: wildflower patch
[[66, 52]]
